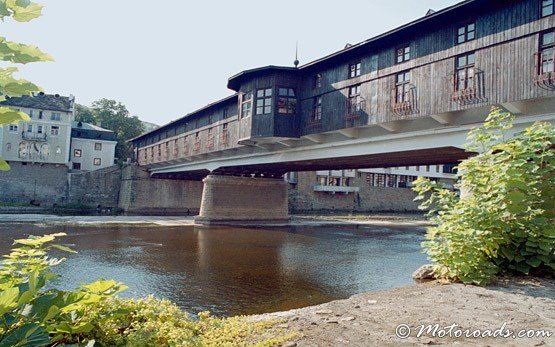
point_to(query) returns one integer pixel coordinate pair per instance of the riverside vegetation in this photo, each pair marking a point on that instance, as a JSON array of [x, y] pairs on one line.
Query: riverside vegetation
[[34, 313], [505, 223]]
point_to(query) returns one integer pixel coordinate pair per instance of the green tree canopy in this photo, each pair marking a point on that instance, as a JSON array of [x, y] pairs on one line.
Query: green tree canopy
[[17, 53], [112, 115]]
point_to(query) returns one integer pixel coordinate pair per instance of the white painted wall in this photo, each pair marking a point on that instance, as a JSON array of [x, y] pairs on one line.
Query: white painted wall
[[89, 153]]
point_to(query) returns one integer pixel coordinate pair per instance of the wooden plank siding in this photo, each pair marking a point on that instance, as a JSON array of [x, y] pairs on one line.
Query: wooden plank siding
[[507, 37]]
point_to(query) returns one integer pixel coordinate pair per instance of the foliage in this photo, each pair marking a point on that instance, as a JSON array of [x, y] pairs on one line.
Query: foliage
[[112, 115], [17, 53], [505, 223], [33, 313]]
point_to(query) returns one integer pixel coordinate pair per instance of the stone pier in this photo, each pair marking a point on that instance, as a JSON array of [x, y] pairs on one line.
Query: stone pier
[[229, 199]]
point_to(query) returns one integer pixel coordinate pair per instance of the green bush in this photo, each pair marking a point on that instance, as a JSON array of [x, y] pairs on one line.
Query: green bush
[[32, 314], [503, 222]]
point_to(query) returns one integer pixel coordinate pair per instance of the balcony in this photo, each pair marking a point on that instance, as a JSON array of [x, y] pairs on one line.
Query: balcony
[[315, 118], [224, 137], [336, 189], [544, 76], [470, 89], [210, 142], [196, 146], [354, 110], [404, 104], [33, 136]]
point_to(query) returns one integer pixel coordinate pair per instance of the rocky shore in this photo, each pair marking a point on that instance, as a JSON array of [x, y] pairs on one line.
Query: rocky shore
[[372, 319]]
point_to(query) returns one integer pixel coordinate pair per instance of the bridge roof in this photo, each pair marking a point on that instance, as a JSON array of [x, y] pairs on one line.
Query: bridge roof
[[189, 115], [234, 81]]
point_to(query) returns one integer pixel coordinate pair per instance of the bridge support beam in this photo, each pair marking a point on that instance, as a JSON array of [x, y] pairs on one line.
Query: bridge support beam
[[231, 199]]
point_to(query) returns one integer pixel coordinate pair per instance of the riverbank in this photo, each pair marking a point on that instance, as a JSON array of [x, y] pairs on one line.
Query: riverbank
[[171, 221], [371, 319]]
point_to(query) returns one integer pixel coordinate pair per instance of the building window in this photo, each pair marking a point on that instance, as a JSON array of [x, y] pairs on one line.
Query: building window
[[29, 128], [403, 54], [41, 115], [76, 166], [354, 70], [287, 101], [98, 146], [402, 87], [56, 116], [13, 128], [355, 100], [547, 8], [466, 33], [318, 81], [39, 129], [316, 110], [264, 101], [32, 113], [464, 75], [77, 153], [547, 53], [8, 146], [97, 161], [246, 105], [55, 130]]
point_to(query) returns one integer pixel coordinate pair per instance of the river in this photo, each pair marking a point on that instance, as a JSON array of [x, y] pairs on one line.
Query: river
[[231, 271]]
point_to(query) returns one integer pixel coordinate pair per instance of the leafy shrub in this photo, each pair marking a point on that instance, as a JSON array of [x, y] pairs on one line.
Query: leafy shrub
[[33, 315], [505, 222]]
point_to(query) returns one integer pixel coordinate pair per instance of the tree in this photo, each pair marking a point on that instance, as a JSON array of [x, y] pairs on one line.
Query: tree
[[506, 222], [17, 53], [112, 115]]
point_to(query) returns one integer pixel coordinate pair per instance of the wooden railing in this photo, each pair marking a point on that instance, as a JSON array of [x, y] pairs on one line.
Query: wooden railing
[[315, 118], [544, 76], [407, 106], [354, 110]]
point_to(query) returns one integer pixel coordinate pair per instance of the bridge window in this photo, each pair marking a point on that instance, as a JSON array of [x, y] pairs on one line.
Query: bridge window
[[402, 87], [246, 105], [354, 69], [466, 33], [287, 101], [316, 115], [225, 113], [318, 81], [264, 101], [355, 100], [464, 76], [547, 8], [403, 54]]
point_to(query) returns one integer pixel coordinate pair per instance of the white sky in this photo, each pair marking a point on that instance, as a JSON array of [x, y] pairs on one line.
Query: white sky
[[164, 59]]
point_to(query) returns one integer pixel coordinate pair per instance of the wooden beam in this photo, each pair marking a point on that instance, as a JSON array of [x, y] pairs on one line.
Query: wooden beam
[[288, 143], [511, 108], [444, 118], [351, 133], [316, 138]]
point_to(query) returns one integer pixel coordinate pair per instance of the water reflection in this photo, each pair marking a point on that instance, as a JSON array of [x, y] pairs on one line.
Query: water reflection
[[236, 270]]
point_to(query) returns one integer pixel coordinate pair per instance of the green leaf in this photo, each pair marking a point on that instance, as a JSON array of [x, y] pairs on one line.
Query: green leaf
[[63, 248], [4, 166], [8, 299], [28, 335]]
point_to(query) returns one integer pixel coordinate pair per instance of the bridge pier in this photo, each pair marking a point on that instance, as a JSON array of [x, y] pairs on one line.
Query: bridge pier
[[232, 199]]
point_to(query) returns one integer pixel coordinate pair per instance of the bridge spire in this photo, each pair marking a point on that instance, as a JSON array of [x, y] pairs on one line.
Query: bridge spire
[[296, 62]]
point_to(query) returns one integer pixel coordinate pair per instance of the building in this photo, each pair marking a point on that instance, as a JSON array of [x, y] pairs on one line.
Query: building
[[447, 67], [46, 138], [92, 147]]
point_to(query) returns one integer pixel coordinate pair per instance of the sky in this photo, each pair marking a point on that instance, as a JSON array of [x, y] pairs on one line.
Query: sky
[[165, 59]]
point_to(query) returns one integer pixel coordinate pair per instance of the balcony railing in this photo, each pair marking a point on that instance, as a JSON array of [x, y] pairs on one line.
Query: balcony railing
[[196, 146], [354, 110], [336, 189], [407, 105], [315, 118], [210, 142], [33, 136], [224, 137], [544, 76], [470, 89]]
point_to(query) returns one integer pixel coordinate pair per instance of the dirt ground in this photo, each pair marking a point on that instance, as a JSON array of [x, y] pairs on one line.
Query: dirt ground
[[371, 319]]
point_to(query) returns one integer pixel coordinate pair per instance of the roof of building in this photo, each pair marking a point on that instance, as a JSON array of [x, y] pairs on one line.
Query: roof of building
[[234, 81], [83, 130], [41, 101]]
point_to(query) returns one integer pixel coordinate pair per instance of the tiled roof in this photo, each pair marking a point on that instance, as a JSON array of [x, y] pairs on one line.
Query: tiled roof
[[88, 126], [42, 101]]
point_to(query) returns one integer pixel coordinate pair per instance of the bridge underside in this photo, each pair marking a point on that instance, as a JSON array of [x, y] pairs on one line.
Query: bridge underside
[[432, 156]]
